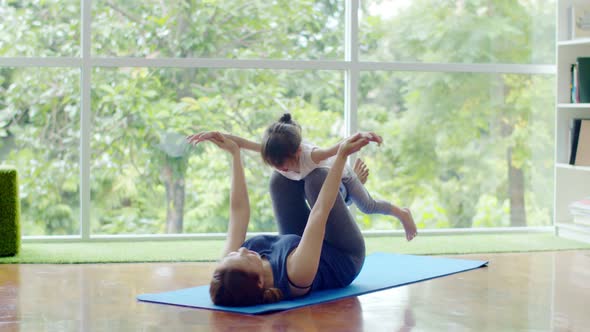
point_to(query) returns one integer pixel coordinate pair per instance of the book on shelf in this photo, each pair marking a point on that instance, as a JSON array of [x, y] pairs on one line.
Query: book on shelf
[[573, 139], [574, 98], [578, 21], [581, 79], [569, 20], [580, 207], [583, 146], [580, 211], [582, 219], [579, 142]]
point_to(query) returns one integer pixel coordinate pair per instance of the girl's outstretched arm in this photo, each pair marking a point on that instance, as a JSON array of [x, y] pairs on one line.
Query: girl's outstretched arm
[[319, 154], [241, 142], [244, 143], [239, 213], [302, 264]]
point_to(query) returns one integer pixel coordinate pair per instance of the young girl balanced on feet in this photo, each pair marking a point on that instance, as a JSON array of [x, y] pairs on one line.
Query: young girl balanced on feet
[[284, 149]]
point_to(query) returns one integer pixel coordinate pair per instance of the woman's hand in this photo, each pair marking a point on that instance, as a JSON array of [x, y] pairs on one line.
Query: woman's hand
[[356, 142], [200, 137], [372, 137], [217, 138]]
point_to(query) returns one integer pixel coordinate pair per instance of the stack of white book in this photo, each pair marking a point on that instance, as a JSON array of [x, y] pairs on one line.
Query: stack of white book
[[580, 211]]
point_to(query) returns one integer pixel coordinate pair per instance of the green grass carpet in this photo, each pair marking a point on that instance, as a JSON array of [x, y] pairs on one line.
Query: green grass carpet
[[209, 250]]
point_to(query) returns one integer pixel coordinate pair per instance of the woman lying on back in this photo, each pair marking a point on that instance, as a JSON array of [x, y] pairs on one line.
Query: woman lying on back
[[316, 249]]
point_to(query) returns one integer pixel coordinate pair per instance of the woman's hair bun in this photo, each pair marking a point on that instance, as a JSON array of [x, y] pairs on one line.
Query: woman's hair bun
[[272, 295]]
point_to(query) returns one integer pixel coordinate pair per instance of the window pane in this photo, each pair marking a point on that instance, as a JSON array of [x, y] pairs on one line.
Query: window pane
[[458, 31], [145, 181], [39, 134], [40, 28], [219, 29], [461, 150]]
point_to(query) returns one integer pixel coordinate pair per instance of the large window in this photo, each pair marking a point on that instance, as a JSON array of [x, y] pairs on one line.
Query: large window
[[96, 97]]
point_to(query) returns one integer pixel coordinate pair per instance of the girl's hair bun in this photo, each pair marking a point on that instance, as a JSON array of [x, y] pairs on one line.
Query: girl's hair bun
[[286, 118]]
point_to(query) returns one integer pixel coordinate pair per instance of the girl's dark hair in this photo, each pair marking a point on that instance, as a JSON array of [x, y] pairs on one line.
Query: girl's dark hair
[[236, 288], [280, 141]]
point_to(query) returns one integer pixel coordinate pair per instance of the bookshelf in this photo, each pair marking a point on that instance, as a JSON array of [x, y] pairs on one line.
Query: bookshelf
[[571, 182]]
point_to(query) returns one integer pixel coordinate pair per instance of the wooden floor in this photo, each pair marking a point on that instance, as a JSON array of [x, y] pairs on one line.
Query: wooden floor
[[548, 291]]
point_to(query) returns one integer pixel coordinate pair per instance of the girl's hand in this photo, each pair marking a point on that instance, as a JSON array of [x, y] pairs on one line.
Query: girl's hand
[[354, 143], [217, 138], [372, 137]]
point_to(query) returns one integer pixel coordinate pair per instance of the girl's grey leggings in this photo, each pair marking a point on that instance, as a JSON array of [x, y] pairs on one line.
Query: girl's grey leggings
[[362, 199]]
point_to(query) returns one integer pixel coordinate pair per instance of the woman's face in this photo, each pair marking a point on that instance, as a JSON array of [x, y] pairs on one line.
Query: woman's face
[[245, 260]]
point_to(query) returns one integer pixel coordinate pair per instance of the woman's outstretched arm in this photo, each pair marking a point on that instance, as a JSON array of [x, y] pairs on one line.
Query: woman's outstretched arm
[[302, 264], [239, 213]]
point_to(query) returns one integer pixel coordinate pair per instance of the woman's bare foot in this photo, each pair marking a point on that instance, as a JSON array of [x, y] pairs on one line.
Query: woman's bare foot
[[361, 170], [408, 223]]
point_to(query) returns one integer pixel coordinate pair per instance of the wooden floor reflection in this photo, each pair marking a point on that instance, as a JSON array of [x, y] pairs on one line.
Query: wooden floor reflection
[[544, 291]]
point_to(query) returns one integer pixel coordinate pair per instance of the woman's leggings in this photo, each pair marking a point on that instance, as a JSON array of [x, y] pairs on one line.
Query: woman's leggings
[[290, 204]]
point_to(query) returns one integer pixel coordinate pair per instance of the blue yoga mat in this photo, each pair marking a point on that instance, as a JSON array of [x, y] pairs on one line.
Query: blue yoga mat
[[380, 271]]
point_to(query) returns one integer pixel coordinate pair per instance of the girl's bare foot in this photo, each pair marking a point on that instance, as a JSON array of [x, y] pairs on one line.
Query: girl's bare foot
[[408, 223], [361, 170]]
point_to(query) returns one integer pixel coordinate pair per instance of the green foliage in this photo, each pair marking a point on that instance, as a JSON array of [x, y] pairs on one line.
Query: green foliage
[[40, 28], [41, 139], [209, 250], [224, 29], [9, 211], [448, 134]]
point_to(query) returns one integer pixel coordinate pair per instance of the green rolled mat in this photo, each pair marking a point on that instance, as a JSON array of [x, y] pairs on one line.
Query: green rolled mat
[[9, 212]]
